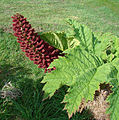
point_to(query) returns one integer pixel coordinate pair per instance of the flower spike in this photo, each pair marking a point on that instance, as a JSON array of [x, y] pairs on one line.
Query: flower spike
[[34, 47]]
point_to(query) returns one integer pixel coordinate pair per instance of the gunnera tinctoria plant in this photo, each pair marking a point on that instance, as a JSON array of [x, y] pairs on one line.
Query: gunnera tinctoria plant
[[34, 47]]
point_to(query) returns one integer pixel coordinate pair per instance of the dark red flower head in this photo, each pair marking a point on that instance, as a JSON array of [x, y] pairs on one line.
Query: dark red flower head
[[34, 47]]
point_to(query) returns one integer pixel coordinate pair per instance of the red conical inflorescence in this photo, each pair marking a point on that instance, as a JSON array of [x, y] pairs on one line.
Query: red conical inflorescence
[[34, 47]]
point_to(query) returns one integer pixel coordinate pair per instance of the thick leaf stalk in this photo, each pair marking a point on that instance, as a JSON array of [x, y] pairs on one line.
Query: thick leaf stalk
[[34, 47]]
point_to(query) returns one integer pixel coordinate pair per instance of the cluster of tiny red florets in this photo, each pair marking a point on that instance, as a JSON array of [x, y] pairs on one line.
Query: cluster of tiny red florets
[[34, 47]]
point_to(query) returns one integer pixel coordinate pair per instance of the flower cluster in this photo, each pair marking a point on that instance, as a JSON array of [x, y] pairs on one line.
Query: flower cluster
[[34, 47]]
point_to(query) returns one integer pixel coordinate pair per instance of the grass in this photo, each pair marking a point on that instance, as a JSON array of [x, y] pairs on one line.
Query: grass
[[44, 15]]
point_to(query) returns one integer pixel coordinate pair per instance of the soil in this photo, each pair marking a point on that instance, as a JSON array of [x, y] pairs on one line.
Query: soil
[[99, 105]]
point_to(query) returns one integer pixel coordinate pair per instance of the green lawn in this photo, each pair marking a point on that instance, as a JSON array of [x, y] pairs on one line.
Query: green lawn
[[100, 15], [44, 15]]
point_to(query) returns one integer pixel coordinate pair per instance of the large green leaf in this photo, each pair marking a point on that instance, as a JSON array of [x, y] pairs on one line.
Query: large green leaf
[[82, 72], [113, 99], [104, 45], [107, 46], [83, 68], [81, 33], [59, 40]]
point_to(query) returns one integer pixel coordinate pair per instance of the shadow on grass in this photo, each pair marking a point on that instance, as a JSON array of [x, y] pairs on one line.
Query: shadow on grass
[[31, 105], [11, 73]]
